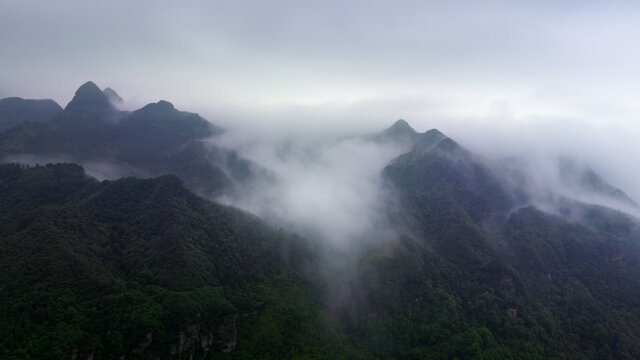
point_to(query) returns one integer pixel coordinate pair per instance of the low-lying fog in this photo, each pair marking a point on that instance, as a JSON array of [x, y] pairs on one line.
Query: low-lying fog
[[327, 188], [329, 180]]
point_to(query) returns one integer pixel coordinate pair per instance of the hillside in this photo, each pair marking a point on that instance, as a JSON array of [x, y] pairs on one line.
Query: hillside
[[143, 268], [474, 278], [475, 266]]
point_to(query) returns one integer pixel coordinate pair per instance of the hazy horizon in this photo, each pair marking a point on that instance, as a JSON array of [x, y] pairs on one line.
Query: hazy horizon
[[501, 78]]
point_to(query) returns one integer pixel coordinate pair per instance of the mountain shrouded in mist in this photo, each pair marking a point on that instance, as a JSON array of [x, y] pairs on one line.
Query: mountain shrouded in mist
[[14, 111], [150, 141], [84, 277], [397, 244], [113, 96]]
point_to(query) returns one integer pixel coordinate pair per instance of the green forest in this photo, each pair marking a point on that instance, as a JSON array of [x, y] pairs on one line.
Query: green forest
[[151, 267], [145, 268]]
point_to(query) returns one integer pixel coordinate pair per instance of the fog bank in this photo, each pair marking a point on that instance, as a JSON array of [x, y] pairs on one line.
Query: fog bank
[[323, 188]]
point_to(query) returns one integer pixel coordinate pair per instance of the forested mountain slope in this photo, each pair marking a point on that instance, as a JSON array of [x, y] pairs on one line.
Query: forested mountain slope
[[478, 275], [144, 269], [475, 267]]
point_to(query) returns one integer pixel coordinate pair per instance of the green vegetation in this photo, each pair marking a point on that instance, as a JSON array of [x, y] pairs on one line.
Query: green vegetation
[[468, 284], [143, 268]]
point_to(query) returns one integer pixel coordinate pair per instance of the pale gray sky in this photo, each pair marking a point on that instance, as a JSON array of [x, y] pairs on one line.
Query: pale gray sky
[[540, 57]]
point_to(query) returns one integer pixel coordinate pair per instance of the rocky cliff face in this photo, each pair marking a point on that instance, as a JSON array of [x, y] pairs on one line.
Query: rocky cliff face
[[194, 341]]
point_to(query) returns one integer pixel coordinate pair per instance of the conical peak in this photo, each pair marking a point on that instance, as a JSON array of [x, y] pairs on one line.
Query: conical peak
[[89, 97], [402, 124], [88, 89], [400, 128]]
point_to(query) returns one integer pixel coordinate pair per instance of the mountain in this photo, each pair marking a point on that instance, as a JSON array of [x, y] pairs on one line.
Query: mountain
[[475, 273], [161, 125], [441, 183], [143, 269], [154, 140], [583, 178], [89, 97], [473, 263], [113, 96], [15, 110], [399, 132]]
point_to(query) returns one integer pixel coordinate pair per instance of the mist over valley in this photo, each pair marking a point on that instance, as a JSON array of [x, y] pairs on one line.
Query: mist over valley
[[334, 180]]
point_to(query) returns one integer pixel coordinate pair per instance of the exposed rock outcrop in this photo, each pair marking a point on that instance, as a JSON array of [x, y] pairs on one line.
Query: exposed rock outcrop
[[195, 340], [227, 334]]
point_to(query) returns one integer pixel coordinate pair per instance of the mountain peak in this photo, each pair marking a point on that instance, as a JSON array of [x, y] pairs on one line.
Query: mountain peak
[[161, 106], [88, 88], [89, 97], [112, 95], [400, 127], [435, 140], [582, 176], [400, 132]]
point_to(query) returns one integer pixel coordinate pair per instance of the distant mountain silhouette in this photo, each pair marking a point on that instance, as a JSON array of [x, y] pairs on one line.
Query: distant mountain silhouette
[[113, 96], [15, 110], [585, 179], [89, 97], [154, 140]]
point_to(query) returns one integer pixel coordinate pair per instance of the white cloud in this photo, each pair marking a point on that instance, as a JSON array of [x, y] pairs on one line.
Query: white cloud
[[325, 189]]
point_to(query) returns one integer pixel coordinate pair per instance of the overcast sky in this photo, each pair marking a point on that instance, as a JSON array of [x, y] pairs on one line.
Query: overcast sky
[[571, 68], [553, 56]]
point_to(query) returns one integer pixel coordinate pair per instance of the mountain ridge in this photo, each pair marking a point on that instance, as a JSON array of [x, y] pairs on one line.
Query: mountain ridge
[[469, 266], [15, 111], [147, 259], [156, 139], [113, 96]]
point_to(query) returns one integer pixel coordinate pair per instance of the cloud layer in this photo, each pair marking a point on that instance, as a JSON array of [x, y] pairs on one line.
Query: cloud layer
[[323, 188]]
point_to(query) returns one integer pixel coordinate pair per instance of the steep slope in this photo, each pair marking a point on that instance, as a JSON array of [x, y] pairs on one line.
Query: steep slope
[[584, 179], [400, 131], [582, 282], [82, 130], [473, 276], [144, 269], [440, 178], [15, 110], [113, 96]]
